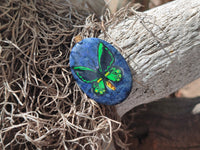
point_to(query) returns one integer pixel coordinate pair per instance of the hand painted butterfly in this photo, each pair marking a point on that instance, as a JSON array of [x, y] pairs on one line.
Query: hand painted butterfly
[[100, 71], [103, 76]]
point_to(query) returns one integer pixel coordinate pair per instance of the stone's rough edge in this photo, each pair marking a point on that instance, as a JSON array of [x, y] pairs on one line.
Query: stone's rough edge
[[161, 73], [122, 63]]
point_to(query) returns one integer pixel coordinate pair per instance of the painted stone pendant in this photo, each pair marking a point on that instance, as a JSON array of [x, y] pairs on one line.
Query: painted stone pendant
[[100, 71]]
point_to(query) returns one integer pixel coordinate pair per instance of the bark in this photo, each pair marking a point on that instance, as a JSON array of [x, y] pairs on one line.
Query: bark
[[168, 124], [162, 47]]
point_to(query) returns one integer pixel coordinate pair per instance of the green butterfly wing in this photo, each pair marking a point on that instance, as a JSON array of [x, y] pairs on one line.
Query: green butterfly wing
[[105, 58], [99, 87], [114, 74], [86, 74], [105, 61]]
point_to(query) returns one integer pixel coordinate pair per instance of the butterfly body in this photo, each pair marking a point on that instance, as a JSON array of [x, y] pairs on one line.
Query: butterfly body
[[105, 78], [100, 71]]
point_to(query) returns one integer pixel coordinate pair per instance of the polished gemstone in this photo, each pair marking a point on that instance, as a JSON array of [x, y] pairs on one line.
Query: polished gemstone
[[100, 71]]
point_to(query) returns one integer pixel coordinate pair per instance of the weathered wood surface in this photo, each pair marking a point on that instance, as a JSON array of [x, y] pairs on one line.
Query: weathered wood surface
[[168, 124], [160, 68]]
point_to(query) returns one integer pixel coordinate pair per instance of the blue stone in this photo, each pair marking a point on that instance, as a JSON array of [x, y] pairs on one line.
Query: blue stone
[[100, 71]]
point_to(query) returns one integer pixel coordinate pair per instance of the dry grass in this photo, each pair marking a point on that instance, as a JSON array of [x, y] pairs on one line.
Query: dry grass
[[40, 104]]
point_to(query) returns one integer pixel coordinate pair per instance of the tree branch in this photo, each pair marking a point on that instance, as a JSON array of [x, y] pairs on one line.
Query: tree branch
[[162, 47]]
